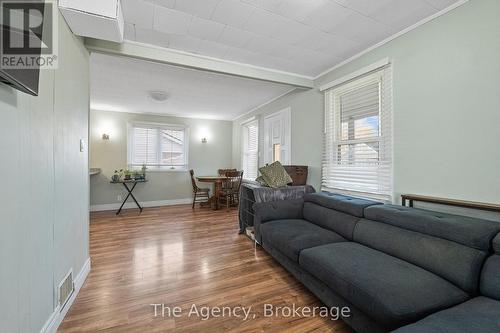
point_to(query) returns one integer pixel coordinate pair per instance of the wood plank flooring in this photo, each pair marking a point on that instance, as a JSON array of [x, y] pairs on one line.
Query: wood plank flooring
[[179, 257]]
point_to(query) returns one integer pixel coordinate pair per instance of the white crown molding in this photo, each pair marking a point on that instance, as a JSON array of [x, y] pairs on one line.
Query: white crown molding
[[365, 70], [263, 104], [57, 316], [129, 205], [248, 120], [393, 37]]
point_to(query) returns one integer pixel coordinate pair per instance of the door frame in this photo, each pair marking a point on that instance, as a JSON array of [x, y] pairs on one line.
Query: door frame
[[286, 113]]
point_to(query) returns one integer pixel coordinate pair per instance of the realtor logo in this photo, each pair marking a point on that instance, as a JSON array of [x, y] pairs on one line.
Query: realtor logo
[[28, 34]]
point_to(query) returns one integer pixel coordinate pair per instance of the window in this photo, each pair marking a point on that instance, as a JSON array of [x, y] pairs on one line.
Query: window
[[358, 137], [158, 146], [250, 154]]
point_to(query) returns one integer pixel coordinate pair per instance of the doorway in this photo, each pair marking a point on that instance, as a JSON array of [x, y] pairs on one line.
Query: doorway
[[277, 137]]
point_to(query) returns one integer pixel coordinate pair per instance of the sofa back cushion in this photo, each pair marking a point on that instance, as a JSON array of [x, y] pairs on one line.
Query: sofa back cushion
[[454, 247], [330, 219], [342, 203], [490, 277], [468, 231], [454, 262], [335, 212]]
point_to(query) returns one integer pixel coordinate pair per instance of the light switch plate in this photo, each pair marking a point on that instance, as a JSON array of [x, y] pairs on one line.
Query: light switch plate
[[82, 145]]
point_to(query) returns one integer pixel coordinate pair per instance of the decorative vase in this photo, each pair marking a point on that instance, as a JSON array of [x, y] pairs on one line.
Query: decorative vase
[[115, 178]]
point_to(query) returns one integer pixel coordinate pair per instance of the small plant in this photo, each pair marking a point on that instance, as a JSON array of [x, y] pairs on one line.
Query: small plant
[[144, 168], [127, 174], [117, 175]]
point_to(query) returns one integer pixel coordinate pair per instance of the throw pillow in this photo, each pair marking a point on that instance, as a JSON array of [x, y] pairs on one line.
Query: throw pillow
[[261, 181], [275, 175]]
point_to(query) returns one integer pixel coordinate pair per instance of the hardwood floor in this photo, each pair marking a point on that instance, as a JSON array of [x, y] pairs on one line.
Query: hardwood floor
[[179, 257]]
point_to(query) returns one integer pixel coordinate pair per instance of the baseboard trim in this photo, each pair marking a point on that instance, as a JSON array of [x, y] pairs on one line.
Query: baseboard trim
[[58, 315], [159, 203]]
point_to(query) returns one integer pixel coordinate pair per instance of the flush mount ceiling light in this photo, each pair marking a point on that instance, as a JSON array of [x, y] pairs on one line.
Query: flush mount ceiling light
[[158, 96]]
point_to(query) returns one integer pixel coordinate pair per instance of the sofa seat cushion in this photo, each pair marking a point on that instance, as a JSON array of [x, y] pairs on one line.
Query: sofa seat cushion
[[391, 291], [292, 236], [480, 314]]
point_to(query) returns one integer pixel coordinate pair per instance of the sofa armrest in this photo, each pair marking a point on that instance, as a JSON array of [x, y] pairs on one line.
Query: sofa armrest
[[275, 210]]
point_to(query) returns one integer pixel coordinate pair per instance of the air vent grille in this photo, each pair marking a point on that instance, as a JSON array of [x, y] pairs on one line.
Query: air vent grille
[[66, 288]]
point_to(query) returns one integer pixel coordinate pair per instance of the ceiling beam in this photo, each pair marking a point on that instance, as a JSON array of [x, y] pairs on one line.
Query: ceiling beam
[[189, 60]]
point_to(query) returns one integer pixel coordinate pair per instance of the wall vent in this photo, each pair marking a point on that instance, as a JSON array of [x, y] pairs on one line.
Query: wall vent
[[66, 289]]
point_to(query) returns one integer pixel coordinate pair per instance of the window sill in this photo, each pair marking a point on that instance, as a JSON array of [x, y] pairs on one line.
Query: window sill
[[166, 170], [160, 170]]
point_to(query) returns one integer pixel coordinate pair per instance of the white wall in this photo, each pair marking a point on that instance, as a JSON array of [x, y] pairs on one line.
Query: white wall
[[109, 155], [45, 188], [446, 107]]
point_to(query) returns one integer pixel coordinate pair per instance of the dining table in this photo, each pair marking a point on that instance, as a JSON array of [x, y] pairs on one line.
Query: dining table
[[217, 182]]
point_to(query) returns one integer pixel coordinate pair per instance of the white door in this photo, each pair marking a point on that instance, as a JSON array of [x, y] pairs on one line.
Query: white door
[[277, 137]]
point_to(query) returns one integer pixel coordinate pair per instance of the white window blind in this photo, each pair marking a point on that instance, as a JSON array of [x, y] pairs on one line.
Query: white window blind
[[158, 146], [250, 154], [358, 137]]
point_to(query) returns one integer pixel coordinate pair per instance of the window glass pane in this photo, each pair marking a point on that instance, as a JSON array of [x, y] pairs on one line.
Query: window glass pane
[[172, 147], [358, 154], [366, 127], [344, 130], [359, 112]]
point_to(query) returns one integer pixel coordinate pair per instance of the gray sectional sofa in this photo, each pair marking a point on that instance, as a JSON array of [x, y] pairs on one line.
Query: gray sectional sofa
[[397, 268]]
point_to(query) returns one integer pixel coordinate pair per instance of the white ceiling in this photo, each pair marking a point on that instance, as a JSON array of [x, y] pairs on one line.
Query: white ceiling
[[122, 84], [304, 37]]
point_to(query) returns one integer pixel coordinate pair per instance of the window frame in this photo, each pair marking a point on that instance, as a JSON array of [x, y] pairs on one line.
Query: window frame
[[333, 135], [244, 143], [159, 126]]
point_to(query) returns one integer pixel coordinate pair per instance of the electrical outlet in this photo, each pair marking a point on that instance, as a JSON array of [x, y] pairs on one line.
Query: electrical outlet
[[119, 198]]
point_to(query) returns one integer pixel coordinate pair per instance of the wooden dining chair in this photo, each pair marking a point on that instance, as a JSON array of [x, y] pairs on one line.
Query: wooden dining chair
[[201, 195], [231, 188], [222, 172]]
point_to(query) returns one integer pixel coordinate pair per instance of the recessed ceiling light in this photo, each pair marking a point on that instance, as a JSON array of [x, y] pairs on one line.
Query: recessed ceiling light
[[158, 96]]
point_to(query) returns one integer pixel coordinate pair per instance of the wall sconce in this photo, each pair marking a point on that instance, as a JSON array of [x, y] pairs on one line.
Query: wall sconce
[[105, 136], [203, 140]]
